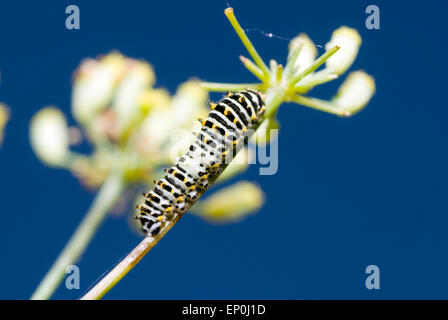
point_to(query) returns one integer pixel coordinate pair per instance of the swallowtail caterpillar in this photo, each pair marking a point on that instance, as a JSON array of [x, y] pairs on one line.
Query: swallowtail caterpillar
[[223, 133]]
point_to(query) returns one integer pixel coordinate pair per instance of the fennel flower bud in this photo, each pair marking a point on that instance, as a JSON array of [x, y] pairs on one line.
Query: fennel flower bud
[[307, 54], [349, 41], [94, 85], [186, 107], [4, 116], [49, 136], [231, 203], [355, 92], [126, 105]]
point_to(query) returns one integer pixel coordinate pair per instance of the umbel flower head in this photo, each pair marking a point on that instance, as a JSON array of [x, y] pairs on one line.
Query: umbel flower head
[[300, 73], [342, 49], [133, 128]]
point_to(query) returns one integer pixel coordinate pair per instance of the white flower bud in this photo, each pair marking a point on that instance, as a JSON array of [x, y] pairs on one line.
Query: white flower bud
[[349, 41], [4, 116], [355, 92], [307, 54], [50, 136], [126, 103], [94, 85], [187, 106], [152, 99], [230, 204]]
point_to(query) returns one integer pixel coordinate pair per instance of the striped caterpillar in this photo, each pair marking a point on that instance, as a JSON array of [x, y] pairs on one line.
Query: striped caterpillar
[[222, 135]]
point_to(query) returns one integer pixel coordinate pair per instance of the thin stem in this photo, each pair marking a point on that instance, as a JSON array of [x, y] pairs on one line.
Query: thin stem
[[105, 199], [320, 105], [315, 79], [252, 67], [279, 74], [292, 58], [274, 97], [316, 64], [247, 43], [126, 265], [273, 65], [223, 87]]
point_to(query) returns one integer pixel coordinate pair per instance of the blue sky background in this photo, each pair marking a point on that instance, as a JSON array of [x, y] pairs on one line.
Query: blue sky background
[[371, 189]]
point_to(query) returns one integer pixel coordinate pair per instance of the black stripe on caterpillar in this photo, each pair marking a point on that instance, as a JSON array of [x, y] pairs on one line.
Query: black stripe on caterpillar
[[223, 133]]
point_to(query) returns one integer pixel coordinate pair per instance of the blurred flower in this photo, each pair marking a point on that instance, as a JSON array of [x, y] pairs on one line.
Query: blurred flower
[[92, 170], [152, 98], [355, 92], [169, 128], [126, 103], [94, 85], [230, 204], [238, 165], [4, 117], [50, 136], [349, 41]]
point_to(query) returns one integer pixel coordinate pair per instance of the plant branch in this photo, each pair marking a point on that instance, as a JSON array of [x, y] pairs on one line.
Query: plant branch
[[121, 269], [105, 199]]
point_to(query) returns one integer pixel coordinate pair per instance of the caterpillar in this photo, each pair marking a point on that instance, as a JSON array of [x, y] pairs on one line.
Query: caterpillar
[[223, 133]]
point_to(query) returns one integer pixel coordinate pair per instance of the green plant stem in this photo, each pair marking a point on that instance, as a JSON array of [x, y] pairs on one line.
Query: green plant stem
[[315, 79], [274, 97], [247, 43], [223, 87], [126, 265], [316, 64], [253, 68], [105, 199], [320, 105]]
